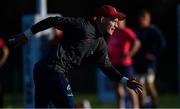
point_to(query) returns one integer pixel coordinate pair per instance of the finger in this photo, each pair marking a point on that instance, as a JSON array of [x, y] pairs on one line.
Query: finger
[[138, 84], [139, 90], [136, 91], [134, 80]]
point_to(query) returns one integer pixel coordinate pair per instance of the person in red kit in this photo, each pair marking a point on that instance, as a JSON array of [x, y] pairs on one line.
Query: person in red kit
[[122, 45], [4, 53]]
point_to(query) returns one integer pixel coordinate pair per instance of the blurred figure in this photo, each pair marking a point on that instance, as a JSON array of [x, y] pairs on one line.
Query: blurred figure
[[122, 45], [152, 41], [4, 53]]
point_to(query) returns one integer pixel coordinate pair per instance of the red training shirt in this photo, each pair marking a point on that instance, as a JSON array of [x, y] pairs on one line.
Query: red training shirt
[[119, 45]]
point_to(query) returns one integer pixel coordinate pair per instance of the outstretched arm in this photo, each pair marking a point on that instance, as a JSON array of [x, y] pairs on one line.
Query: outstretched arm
[[116, 76], [106, 66], [57, 22], [136, 44]]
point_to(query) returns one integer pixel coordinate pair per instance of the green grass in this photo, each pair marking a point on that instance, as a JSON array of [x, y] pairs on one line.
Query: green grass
[[13, 101], [95, 102], [169, 101], [165, 101]]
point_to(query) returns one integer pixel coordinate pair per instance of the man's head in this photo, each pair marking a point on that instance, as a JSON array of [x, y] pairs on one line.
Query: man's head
[[107, 17], [144, 18]]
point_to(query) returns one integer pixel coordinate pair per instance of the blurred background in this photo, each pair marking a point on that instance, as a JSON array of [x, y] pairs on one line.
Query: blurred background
[[164, 13]]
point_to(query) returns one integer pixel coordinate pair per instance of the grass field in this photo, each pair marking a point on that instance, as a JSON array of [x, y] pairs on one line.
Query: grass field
[[165, 101]]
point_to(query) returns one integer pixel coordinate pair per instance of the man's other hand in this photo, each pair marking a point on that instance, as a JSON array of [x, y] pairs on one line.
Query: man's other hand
[[17, 40], [134, 85]]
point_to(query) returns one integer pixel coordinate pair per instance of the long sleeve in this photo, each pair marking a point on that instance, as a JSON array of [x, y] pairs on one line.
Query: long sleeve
[[160, 42], [160, 38], [57, 22], [105, 64]]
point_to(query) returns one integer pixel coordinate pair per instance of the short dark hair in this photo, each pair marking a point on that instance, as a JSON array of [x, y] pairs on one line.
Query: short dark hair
[[142, 13]]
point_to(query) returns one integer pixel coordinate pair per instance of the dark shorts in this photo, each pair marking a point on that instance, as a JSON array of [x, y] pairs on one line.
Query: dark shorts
[[127, 71], [141, 67]]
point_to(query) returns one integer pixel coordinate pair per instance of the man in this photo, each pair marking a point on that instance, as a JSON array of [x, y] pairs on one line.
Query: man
[[152, 42], [83, 40], [122, 45]]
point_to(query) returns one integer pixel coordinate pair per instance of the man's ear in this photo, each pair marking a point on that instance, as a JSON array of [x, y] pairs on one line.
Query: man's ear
[[102, 19]]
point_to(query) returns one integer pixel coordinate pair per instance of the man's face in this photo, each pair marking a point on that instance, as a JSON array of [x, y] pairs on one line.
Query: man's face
[[145, 20], [110, 24]]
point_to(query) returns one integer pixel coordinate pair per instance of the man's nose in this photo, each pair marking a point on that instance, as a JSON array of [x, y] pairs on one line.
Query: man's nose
[[116, 25]]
